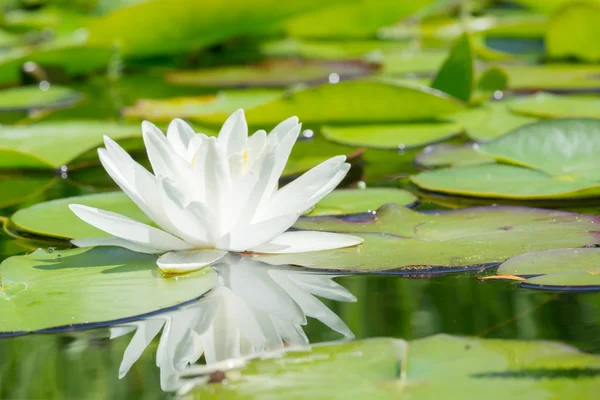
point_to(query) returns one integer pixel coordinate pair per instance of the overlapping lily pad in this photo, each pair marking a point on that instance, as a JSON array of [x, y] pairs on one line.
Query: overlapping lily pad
[[271, 73], [419, 369], [550, 159], [583, 22], [16, 188], [28, 98], [577, 269], [349, 201], [442, 155], [223, 104], [88, 287], [553, 76], [54, 144], [547, 105], [401, 240], [400, 136], [490, 120]]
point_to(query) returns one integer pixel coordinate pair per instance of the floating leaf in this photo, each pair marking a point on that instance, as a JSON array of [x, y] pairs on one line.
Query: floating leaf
[[16, 188], [547, 105], [88, 287], [28, 98], [184, 25], [489, 121], [223, 104], [426, 368], [405, 241], [54, 144], [348, 201], [352, 102], [553, 76], [492, 80], [271, 73], [457, 75], [560, 268], [558, 159], [404, 136], [357, 19], [441, 155], [582, 21], [411, 61], [330, 50]]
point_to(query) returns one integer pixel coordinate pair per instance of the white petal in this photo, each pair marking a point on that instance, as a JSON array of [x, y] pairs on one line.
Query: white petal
[[251, 236], [291, 333], [218, 186], [121, 330], [234, 133], [114, 241], [176, 262], [304, 241], [320, 285], [144, 334], [255, 148], [304, 192], [179, 135], [128, 229], [165, 162], [222, 339], [281, 129]]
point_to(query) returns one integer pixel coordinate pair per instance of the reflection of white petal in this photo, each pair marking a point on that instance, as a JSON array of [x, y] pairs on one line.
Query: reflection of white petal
[[180, 261], [321, 285], [289, 332], [129, 229], [146, 331], [121, 330], [114, 241], [251, 282], [305, 241]]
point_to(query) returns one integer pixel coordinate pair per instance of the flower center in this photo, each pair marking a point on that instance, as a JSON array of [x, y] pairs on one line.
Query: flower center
[[245, 157]]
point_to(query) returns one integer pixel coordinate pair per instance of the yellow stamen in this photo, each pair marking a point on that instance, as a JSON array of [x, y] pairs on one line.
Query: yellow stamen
[[245, 157]]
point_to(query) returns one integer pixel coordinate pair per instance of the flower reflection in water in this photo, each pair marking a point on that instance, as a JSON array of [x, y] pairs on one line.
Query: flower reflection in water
[[254, 307]]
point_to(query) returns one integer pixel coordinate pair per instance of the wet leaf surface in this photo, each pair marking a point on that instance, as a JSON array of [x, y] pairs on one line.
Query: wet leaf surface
[[63, 289], [442, 155], [547, 105], [350, 201], [28, 98], [401, 240]]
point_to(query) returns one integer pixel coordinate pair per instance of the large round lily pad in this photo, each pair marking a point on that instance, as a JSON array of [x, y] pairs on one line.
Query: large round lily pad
[[54, 144], [582, 21], [553, 158], [88, 287], [442, 155], [556, 269], [396, 137], [16, 188], [271, 73], [547, 105], [426, 368], [401, 240]]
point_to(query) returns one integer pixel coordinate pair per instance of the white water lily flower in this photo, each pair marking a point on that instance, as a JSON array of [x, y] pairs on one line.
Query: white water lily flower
[[211, 195], [253, 308]]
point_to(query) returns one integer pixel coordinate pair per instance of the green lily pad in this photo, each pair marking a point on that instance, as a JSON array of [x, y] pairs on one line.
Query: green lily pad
[[54, 144], [353, 102], [223, 104], [330, 49], [357, 19], [28, 98], [16, 188], [168, 29], [442, 155], [411, 61], [401, 136], [547, 105], [271, 73], [491, 81], [582, 21], [52, 289], [558, 269], [457, 75], [555, 159], [428, 368], [348, 201], [490, 120], [401, 240], [553, 76]]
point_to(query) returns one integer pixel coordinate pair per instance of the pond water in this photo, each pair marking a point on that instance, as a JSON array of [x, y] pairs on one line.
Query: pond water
[[473, 184]]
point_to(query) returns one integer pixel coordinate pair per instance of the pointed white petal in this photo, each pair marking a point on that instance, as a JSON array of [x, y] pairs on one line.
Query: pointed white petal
[[304, 241], [234, 133], [176, 262], [165, 162], [128, 229], [281, 129], [121, 330], [218, 186], [144, 334], [222, 339], [251, 236], [114, 241], [321, 285], [304, 192], [255, 146], [179, 135], [291, 333]]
